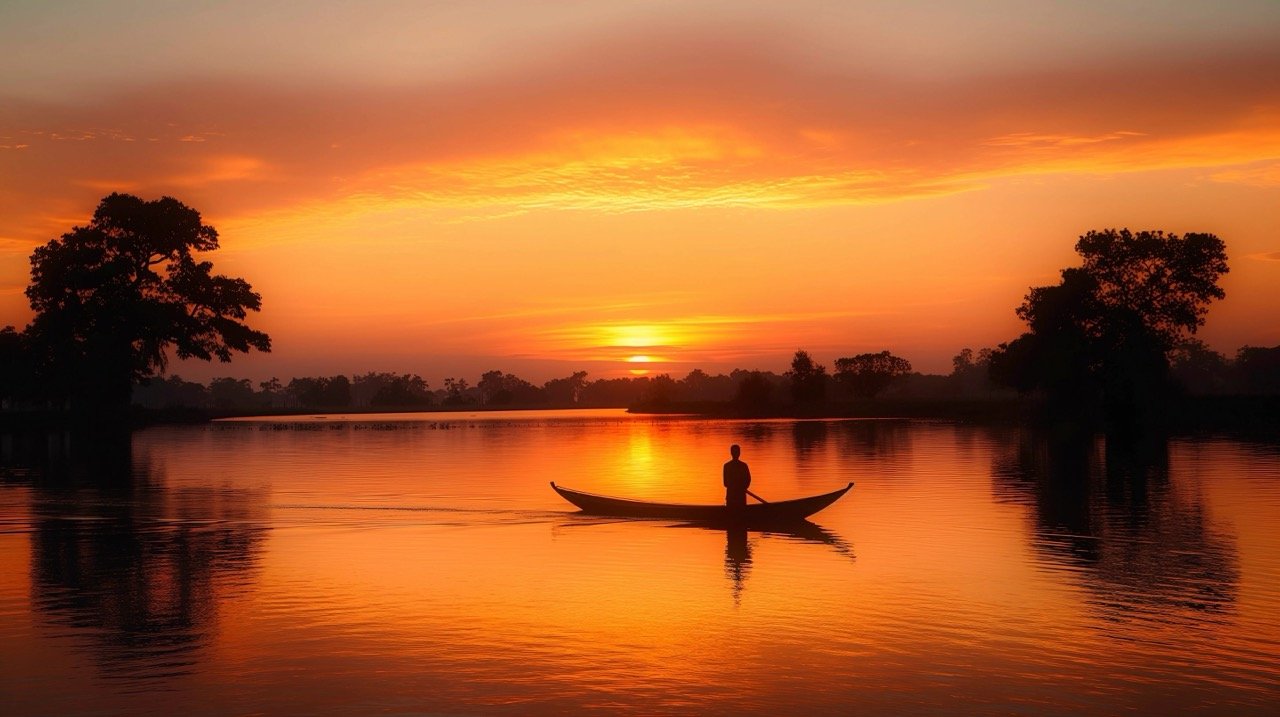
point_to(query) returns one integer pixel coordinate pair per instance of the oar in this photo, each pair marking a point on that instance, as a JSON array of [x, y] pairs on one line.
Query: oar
[[753, 495]]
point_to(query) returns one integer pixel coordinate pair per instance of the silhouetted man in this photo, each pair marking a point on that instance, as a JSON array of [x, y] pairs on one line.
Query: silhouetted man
[[737, 478]]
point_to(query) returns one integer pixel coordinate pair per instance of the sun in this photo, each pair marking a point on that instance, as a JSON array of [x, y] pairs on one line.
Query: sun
[[638, 335], [644, 348], [640, 359]]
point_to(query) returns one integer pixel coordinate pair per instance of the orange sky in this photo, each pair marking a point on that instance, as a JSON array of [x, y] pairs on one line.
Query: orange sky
[[449, 188]]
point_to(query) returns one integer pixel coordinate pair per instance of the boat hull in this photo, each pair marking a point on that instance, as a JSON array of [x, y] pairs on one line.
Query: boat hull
[[756, 513]]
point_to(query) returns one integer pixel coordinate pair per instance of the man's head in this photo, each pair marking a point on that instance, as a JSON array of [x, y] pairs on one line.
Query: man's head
[[735, 451]]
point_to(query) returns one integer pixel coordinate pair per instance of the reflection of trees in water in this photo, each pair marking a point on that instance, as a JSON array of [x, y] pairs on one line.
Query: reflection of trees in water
[[1266, 447], [133, 565], [756, 433], [1108, 509], [808, 437], [875, 438]]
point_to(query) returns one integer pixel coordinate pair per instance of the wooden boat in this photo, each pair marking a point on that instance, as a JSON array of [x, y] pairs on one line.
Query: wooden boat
[[781, 511]]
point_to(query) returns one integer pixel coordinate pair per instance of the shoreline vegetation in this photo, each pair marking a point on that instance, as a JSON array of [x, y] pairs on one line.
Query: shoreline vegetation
[[1257, 415], [1110, 346], [1185, 414]]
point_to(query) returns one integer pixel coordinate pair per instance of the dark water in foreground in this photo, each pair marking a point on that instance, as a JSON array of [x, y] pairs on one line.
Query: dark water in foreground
[[381, 566]]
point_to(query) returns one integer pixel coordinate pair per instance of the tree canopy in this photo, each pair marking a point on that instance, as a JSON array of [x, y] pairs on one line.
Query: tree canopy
[[808, 379], [867, 375], [1108, 329], [113, 298], [754, 391], [1258, 369], [1164, 281]]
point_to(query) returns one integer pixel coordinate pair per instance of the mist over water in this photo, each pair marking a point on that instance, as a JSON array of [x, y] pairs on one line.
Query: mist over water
[[410, 564]]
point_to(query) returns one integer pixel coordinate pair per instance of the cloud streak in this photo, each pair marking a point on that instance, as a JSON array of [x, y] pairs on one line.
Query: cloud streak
[[734, 123]]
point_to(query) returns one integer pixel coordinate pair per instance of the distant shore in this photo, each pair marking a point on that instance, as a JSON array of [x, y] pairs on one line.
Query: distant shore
[[995, 410], [140, 417], [1252, 414], [1259, 414]]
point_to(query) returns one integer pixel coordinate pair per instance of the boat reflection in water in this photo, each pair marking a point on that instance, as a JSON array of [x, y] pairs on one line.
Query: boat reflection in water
[[737, 546], [738, 559]]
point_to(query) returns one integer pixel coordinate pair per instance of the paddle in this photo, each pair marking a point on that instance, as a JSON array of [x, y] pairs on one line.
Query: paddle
[[753, 495]]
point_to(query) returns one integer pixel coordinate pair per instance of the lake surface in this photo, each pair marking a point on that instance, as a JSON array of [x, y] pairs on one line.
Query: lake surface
[[402, 564]]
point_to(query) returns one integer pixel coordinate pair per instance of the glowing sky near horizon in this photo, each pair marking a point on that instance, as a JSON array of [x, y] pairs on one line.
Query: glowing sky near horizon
[[446, 188]]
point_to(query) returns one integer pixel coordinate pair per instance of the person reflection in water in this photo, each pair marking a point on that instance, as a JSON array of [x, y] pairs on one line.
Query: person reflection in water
[[737, 478]]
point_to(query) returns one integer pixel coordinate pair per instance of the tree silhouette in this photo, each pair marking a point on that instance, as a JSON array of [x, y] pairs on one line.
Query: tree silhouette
[[1165, 280], [1107, 330], [171, 392], [111, 299], [662, 389], [456, 391], [321, 391], [336, 392], [503, 389], [405, 390], [16, 372], [1258, 369], [1198, 369], [808, 379], [971, 373], [867, 375], [270, 391], [566, 391], [754, 392], [232, 393]]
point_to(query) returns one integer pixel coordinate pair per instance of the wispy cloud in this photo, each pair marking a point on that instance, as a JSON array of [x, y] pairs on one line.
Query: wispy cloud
[[1266, 174], [630, 132], [1032, 139]]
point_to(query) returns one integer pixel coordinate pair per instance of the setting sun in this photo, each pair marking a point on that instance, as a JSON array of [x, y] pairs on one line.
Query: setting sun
[[638, 336], [638, 371]]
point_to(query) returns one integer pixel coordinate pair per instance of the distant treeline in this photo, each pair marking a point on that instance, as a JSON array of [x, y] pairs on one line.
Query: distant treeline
[[493, 389], [1111, 343], [1196, 371]]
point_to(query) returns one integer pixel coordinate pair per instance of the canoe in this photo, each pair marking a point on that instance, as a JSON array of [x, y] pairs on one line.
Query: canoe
[[781, 511]]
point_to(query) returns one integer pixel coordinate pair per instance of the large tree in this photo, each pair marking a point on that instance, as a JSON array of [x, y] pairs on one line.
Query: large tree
[[114, 298], [1107, 330]]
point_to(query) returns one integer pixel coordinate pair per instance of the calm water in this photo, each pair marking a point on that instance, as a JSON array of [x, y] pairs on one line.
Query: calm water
[[383, 565]]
